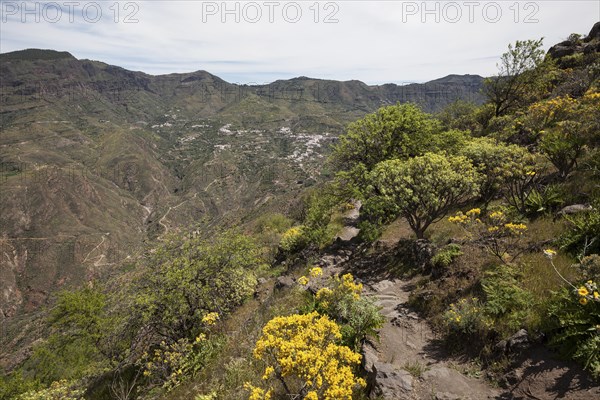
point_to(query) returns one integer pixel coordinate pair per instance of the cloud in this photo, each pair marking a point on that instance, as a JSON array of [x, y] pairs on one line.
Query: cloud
[[256, 41]]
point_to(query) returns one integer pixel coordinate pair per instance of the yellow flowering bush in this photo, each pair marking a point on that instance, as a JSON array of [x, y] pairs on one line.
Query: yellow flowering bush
[[303, 354], [303, 280], [494, 231], [169, 364], [465, 317], [210, 318], [63, 390], [358, 316], [292, 239]]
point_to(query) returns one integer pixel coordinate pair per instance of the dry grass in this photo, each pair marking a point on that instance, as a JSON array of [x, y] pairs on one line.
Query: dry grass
[[394, 232]]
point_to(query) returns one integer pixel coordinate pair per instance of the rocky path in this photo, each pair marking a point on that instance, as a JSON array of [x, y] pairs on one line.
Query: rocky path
[[406, 363]]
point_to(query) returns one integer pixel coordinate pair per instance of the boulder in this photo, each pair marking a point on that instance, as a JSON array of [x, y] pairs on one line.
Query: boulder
[[385, 380], [516, 343], [284, 282], [575, 209], [594, 33]]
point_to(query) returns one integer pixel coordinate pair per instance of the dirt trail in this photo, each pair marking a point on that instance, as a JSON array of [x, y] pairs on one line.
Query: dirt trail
[[407, 362]]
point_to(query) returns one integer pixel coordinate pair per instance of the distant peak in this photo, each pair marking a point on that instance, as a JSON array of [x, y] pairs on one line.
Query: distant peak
[[36, 54], [454, 78]]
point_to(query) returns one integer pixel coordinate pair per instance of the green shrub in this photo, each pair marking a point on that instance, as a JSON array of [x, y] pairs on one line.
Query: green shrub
[[319, 208], [465, 317], [358, 316], [292, 240], [545, 200], [190, 278], [575, 325], [446, 255], [507, 303], [583, 237], [78, 344], [63, 390], [14, 384]]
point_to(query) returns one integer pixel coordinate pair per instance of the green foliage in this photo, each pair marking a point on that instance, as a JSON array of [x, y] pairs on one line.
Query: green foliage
[[449, 142], [461, 115], [506, 301], [465, 317], [521, 177], [319, 208], [444, 257], [269, 229], [545, 200], [171, 364], [398, 131], [272, 222], [190, 278], [358, 316], [15, 383], [425, 188], [575, 329], [63, 390], [493, 161], [519, 76], [78, 345], [583, 235], [292, 239], [375, 212]]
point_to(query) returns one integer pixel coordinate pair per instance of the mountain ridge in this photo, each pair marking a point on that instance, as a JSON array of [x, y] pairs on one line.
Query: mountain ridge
[[49, 54]]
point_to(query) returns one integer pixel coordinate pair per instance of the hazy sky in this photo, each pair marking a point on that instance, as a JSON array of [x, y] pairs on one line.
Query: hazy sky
[[261, 41]]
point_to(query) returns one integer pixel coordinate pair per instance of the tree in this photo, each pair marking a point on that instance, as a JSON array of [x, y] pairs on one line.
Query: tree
[[492, 159], [302, 354], [563, 145], [423, 189], [518, 75], [398, 131], [78, 345], [461, 115], [191, 278], [566, 126]]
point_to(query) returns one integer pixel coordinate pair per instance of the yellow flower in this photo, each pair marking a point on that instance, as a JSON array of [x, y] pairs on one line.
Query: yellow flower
[[497, 215], [516, 229], [312, 395], [582, 291], [549, 253], [596, 295], [210, 318], [200, 337], [315, 272], [583, 300], [268, 371], [473, 212], [303, 280]]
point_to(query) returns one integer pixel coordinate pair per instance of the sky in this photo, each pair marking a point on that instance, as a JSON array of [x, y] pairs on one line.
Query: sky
[[256, 42]]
